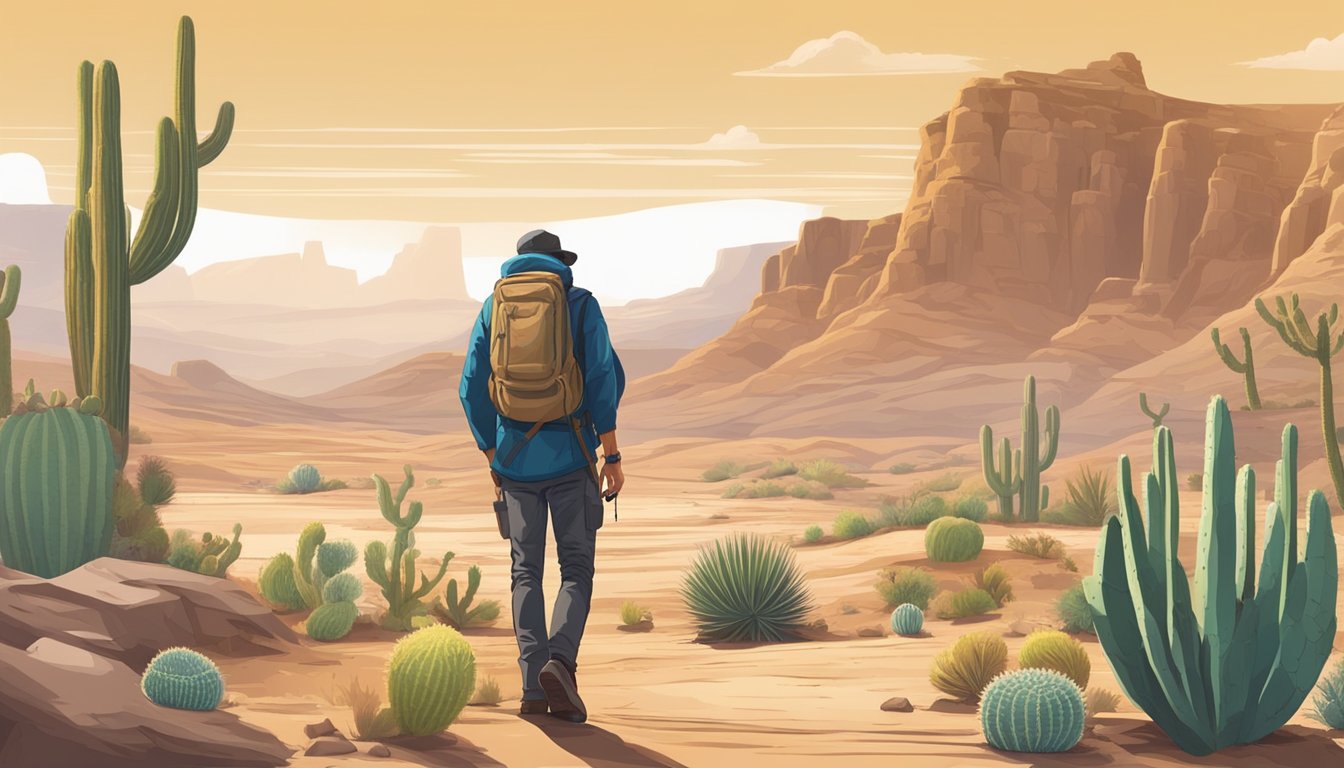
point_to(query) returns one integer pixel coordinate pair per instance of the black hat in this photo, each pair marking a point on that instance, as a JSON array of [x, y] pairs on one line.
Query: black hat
[[541, 241]]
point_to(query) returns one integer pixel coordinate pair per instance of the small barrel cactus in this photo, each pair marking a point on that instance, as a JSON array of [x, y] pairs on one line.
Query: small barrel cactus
[[183, 679], [342, 588], [1032, 710], [953, 540], [1052, 649], [430, 677], [907, 619], [305, 478], [277, 585], [332, 621]]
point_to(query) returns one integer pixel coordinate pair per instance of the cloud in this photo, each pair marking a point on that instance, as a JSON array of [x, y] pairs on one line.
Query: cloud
[[737, 137], [1320, 54], [848, 54]]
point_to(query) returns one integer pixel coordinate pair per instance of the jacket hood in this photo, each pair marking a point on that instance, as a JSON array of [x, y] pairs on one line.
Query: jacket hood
[[537, 262]]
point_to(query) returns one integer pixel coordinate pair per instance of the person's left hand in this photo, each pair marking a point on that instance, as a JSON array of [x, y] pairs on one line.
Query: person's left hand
[[613, 478]]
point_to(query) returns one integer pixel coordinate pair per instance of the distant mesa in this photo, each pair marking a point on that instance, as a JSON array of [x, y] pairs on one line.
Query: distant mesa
[[202, 374]]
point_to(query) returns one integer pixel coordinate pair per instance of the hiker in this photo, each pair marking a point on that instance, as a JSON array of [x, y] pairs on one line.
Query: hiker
[[540, 387]]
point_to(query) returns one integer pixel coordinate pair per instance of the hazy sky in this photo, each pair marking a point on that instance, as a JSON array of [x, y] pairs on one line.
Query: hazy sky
[[514, 111]]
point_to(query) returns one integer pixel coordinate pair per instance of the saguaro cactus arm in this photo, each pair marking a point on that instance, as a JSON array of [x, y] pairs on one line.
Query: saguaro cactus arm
[[1156, 416]]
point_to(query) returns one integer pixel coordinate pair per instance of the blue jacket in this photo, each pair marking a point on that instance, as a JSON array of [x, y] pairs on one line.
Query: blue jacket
[[554, 451]]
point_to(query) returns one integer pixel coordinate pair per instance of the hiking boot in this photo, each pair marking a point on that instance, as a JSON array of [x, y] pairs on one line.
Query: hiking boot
[[533, 707], [562, 692]]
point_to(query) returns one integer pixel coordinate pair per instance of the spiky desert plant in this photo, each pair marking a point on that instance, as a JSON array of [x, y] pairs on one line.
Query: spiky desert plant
[[430, 677], [907, 620], [487, 693], [633, 613], [1328, 703], [58, 470], [457, 612], [1019, 472], [305, 478], [1090, 497], [183, 679], [1074, 612], [907, 585], [218, 553], [996, 583], [972, 508], [332, 621], [1032, 710], [1041, 545], [10, 280], [372, 720], [953, 540], [964, 603], [746, 588], [1052, 649], [1230, 660], [1244, 366], [812, 534], [1320, 344], [1099, 700], [1159, 415], [138, 532], [829, 474], [780, 468], [277, 585], [851, 525], [964, 670], [394, 572], [155, 481], [102, 259]]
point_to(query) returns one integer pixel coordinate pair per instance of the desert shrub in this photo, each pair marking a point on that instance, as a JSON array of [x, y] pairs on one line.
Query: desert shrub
[[138, 436], [906, 585], [1099, 700], [722, 470], [971, 508], [971, 601], [1327, 706], [157, 486], [1032, 710], [829, 474], [1089, 499], [912, 513], [780, 468], [762, 490], [304, 479], [903, 468], [487, 692], [137, 530], [996, 582], [1051, 649], [1041, 545], [1073, 610], [372, 720], [964, 670], [434, 482], [851, 525], [1194, 481], [733, 491], [942, 484], [746, 588], [1067, 563], [953, 540], [813, 534], [810, 491], [633, 613]]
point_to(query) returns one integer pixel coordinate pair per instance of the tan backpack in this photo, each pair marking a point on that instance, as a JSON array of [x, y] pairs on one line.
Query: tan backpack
[[534, 376]]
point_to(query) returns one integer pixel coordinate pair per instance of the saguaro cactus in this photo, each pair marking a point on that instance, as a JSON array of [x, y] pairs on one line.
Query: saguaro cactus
[[102, 261], [1020, 471], [10, 280], [1231, 660], [1156, 416], [1245, 366], [395, 573], [1320, 343]]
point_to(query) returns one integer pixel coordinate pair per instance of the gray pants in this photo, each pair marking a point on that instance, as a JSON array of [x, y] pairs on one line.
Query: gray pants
[[575, 509]]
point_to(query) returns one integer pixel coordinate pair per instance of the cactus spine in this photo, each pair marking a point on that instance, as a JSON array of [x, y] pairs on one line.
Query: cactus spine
[[1245, 366], [431, 675], [102, 260], [1156, 416], [395, 572], [1231, 660], [10, 280], [1019, 472], [1321, 345], [1032, 710], [57, 472], [183, 679]]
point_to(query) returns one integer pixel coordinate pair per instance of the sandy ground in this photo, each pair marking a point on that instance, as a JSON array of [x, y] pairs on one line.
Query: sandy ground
[[659, 698]]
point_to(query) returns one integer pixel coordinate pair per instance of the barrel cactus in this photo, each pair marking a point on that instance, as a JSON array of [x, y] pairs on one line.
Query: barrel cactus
[[1032, 710], [430, 677], [183, 679], [1052, 649], [907, 619], [953, 540], [58, 469], [277, 586], [332, 621], [305, 478]]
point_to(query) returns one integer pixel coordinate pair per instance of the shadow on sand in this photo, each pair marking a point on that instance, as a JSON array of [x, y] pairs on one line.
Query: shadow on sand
[[599, 748], [442, 750]]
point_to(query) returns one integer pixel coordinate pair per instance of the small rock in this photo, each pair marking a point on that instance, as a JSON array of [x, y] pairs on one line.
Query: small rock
[[318, 730], [953, 707], [328, 746], [379, 750], [820, 625], [897, 704], [848, 609], [1021, 628], [870, 632]]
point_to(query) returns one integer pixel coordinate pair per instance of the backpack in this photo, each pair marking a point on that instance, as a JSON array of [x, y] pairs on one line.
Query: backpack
[[534, 376]]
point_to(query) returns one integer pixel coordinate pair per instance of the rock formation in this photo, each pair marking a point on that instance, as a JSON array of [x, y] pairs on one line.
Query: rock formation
[[288, 280], [1319, 201], [428, 269]]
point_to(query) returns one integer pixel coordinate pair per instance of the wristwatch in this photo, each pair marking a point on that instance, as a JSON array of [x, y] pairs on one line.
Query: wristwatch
[[614, 458]]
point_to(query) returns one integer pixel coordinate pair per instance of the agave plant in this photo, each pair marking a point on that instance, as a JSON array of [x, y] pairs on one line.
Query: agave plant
[[746, 588]]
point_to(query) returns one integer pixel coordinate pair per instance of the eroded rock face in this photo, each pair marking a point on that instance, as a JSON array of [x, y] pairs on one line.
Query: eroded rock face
[[1319, 201], [851, 282]]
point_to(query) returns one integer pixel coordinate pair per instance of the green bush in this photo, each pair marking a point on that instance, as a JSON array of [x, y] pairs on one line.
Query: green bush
[[907, 585], [964, 670], [1194, 481], [851, 525], [780, 468], [942, 484], [810, 491], [156, 482], [1089, 499], [813, 534], [996, 582], [1099, 700], [633, 613], [971, 601], [829, 474], [722, 470], [902, 468], [971, 508], [953, 540], [746, 588], [1051, 649], [1328, 703], [1041, 545], [1073, 610], [733, 491], [912, 513], [762, 490]]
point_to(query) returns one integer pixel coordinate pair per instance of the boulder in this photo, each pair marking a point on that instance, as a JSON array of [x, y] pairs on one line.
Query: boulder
[[65, 707], [897, 704], [129, 611], [329, 746]]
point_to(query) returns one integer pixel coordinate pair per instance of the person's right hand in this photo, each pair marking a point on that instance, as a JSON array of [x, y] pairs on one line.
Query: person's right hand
[[613, 478]]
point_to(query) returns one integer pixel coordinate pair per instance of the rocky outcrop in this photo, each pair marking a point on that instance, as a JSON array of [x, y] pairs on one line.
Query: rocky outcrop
[[1319, 201], [428, 269], [287, 280], [823, 244], [851, 282]]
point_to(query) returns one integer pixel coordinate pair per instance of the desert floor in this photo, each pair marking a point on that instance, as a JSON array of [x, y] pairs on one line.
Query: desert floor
[[657, 698]]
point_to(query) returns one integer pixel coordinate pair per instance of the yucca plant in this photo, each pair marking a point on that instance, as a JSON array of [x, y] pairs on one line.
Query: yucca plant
[[746, 588]]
